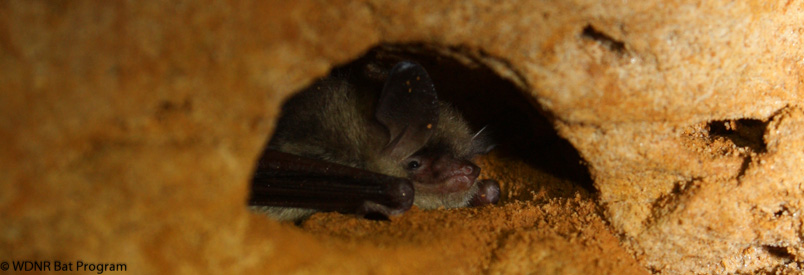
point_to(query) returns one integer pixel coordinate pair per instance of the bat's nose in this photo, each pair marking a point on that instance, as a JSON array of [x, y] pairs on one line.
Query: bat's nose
[[448, 167], [470, 170]]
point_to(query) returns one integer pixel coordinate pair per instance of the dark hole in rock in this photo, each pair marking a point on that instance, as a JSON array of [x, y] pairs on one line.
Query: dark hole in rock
[[513, 120], [607, 41], [516, 123], [779, 252], [746, 133], [783, 210]]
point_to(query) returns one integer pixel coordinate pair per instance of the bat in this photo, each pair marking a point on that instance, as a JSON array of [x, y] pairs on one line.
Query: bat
[[370, 143]]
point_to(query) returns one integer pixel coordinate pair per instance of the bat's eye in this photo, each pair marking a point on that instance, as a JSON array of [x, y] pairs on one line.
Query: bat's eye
[[414, 164]]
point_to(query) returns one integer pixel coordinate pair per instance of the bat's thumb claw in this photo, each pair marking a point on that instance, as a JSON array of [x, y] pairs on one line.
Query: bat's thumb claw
[[398, 199]]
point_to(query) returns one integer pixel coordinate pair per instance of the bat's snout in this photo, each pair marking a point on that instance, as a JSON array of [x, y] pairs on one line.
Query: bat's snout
[[470, 170]]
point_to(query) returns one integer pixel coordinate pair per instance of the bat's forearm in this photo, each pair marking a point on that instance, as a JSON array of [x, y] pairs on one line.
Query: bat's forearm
[[287, 180]]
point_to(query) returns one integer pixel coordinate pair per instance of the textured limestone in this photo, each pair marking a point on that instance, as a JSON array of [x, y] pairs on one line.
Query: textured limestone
[[129, 131]]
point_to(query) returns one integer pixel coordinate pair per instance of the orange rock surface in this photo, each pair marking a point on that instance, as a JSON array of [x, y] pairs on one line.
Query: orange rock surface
[[130, 131]]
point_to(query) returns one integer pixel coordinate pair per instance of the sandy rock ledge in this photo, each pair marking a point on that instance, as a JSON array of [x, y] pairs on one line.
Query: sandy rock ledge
[[130, 130]]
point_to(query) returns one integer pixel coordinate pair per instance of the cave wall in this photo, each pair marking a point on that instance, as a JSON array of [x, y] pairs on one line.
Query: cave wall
[[130, 129]]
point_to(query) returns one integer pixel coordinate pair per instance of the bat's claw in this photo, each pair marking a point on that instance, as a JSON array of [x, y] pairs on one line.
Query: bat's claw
[[400, 198], [488, 192]]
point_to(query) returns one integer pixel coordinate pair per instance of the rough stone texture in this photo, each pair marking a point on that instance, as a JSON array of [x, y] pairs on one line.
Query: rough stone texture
[[129, 131]]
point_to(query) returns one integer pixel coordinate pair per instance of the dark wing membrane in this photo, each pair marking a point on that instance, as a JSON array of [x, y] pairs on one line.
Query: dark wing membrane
[[287, 180]]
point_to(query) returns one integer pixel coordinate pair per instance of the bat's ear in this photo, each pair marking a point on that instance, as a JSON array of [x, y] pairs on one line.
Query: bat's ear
[[408, 107]]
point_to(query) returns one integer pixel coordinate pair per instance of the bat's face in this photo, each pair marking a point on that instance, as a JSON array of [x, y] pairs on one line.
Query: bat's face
[[441, 179], [443, 173]]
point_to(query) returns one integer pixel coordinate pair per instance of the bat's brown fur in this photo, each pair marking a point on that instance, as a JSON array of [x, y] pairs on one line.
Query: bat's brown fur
[[334, 120]]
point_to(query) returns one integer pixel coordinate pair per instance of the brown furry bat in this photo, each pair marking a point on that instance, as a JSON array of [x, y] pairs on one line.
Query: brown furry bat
[[394, 127]]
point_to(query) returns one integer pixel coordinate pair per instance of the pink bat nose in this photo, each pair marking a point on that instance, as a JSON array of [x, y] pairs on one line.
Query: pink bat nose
[[470, 170], [447, 167]]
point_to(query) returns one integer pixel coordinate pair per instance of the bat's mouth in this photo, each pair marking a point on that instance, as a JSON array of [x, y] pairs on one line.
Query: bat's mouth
[[447, 185]]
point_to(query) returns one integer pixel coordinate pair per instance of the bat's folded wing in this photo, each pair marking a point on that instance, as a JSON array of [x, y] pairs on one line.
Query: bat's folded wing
[[286, 180]]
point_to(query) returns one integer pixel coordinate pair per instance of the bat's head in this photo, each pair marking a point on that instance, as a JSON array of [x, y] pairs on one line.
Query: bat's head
[[442, 172], [430, 142], [441, 179]]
